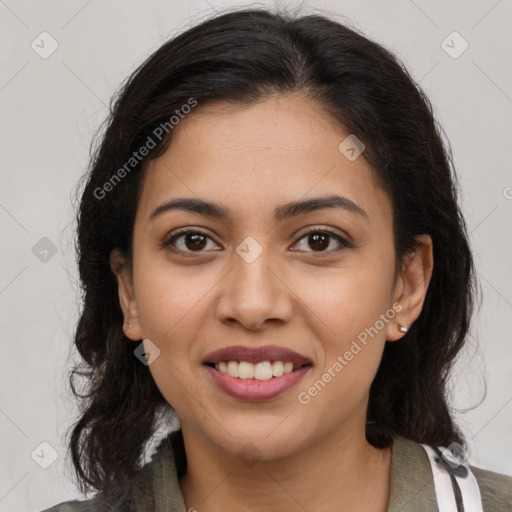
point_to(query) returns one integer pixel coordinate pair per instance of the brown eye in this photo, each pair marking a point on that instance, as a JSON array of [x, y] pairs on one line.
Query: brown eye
[[188, 241], [319, 240], [195, 241]]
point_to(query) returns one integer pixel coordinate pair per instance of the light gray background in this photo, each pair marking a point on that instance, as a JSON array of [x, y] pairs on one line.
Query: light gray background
[[49, 111]]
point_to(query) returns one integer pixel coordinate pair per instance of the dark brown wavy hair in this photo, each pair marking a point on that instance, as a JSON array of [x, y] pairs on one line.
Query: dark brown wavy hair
[[243, 56]]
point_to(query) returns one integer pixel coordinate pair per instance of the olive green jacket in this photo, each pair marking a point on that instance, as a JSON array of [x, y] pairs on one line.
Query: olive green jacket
[[156, 487]]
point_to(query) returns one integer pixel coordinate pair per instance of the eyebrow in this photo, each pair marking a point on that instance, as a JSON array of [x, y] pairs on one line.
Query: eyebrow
[[281, 212]]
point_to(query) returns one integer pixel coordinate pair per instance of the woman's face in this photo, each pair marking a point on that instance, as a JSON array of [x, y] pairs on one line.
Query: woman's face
[[256, 278]]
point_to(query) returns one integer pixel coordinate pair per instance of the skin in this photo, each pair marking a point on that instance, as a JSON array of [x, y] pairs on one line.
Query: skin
[[251, 160]]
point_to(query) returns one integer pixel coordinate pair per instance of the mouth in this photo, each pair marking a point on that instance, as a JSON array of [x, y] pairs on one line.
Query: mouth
[[256, 374]]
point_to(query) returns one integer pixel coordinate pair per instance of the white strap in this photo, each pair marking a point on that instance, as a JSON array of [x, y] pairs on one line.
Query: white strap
[[445, 494]]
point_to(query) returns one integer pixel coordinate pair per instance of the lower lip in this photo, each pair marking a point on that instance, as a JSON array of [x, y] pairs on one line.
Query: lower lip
[[256, 390]]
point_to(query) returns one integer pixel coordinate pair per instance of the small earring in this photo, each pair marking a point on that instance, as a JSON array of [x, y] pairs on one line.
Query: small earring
[[128, 325], [402, 328]]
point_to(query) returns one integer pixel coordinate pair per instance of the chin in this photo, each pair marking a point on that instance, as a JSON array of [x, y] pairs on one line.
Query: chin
[[261, 442]]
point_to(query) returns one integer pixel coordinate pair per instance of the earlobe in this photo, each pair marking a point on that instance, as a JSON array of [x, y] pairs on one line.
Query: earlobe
[[411, 291], [122, 270]]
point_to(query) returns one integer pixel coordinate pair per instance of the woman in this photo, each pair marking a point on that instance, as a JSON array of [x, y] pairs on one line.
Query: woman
[[271, 247]]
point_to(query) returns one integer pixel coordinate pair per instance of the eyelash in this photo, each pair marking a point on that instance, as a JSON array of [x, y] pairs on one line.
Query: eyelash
[[168, 243]]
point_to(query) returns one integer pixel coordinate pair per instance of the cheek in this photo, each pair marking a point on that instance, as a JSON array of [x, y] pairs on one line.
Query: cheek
[[349, 337], [171, 313], [349, 313], [170, 298], [344, 302], [173, 304]]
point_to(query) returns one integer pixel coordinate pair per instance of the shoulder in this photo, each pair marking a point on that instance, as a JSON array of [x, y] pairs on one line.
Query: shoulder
[[412, 483], [495, 489], [139, 493], [72, 506]]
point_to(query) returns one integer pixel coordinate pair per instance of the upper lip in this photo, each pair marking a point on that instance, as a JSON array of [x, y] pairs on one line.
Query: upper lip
[[256, 355]]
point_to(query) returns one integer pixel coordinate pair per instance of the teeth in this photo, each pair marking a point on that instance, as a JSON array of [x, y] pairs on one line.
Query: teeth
[[260, 371], [277, 368], [263, 370], [245, 370], [231, 368]]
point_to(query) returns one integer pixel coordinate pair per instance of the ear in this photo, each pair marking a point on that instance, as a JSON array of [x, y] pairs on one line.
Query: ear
[[122, 270], [411, 287]]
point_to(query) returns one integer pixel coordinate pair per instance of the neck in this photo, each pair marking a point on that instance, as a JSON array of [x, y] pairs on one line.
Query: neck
[[337, 473]]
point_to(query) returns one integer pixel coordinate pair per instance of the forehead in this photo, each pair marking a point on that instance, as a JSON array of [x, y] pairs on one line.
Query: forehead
[[253, 158]]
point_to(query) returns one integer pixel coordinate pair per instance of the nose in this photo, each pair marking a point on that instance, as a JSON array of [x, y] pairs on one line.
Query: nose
[[255, 293]]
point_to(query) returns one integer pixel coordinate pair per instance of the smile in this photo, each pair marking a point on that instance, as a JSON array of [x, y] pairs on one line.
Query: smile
[[256, 373]]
